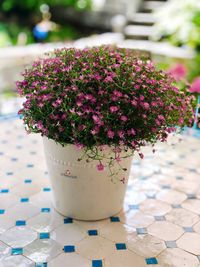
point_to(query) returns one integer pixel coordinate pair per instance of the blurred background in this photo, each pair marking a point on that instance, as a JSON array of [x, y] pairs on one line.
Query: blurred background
[[169, 30]]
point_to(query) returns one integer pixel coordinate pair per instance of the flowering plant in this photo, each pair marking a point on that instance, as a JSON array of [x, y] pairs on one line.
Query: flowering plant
[[102, 96]]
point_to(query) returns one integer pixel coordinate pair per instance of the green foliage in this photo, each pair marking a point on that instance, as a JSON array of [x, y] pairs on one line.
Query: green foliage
[[34, 5]]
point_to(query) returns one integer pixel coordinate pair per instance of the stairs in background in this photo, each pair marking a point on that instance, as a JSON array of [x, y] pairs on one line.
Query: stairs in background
[[139, 30], [140, 25]]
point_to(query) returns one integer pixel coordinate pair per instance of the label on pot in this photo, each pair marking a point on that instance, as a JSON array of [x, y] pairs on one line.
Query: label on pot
[[68, 174]]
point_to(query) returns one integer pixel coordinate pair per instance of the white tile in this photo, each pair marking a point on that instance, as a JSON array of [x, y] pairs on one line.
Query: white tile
[[190, 242], [6, 201], [171, 196], [192, 205], [146, 245], [165, 230], [155, 207], [17, 260], [23, 211], [182, 217], [42, 250], [45, 222], [68, 234], [6, 222], [4, 251], [137, 219], [18, 236], [124, 258], [70, 259], [177, 257], [118, 232], [95, 247]]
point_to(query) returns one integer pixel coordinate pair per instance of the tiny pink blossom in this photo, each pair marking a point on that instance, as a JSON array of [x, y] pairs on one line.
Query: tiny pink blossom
[[79, 145], [113, 109], [121, 134], [123, 118], [100, 167], [110, 134], [146, 105]]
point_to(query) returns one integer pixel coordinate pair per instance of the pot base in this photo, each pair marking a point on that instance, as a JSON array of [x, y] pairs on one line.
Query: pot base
[[79, 190]]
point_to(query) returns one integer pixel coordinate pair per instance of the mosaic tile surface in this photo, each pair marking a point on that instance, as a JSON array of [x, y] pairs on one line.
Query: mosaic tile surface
[[159, 225]]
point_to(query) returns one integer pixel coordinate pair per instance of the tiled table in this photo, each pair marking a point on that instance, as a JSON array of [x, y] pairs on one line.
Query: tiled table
[[159, 225]]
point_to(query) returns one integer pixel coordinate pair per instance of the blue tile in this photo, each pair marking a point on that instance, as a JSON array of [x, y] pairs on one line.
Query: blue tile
[[120, 246], [188, 229], [1, 153], [9, 173], [192, 170], [16, 251], [166, 187], [141, 231], [97, 263], [41, 264], [20, 223], [30, 165], [114, 219], [151, 261], [44, 235], [160, 218], [176, 206], [68, 220], [170, 244], [14, 159], [46, 189], [2, 211], [45, 209], [69, 249], [27, 181], [134, 207], [191, 196], [4, 191], [24, 199], [179, 177], [151, 196], [92, 232]]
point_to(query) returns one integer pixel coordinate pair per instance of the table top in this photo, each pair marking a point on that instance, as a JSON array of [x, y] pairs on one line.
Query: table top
[[158, 226]]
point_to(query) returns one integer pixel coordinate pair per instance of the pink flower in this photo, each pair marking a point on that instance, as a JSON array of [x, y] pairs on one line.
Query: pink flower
[[134, 103], [131, 132], [79, 145], [121, 134], [108, 79], [96, 119], [40, 125], [178, 71], [100, 167], [161, 118], [110, 134], [123, 118], [195, 86], [113, 109], [95, 130], [117, 93], [146, 105]]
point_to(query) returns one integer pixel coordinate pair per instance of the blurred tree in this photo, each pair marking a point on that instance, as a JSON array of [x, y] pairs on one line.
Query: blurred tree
[[12, 6]]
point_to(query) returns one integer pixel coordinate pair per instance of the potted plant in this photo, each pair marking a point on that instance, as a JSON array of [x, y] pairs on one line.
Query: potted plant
[[95, 108]]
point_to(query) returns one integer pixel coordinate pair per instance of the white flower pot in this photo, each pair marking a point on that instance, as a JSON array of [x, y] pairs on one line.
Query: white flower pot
[[79, 190]]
